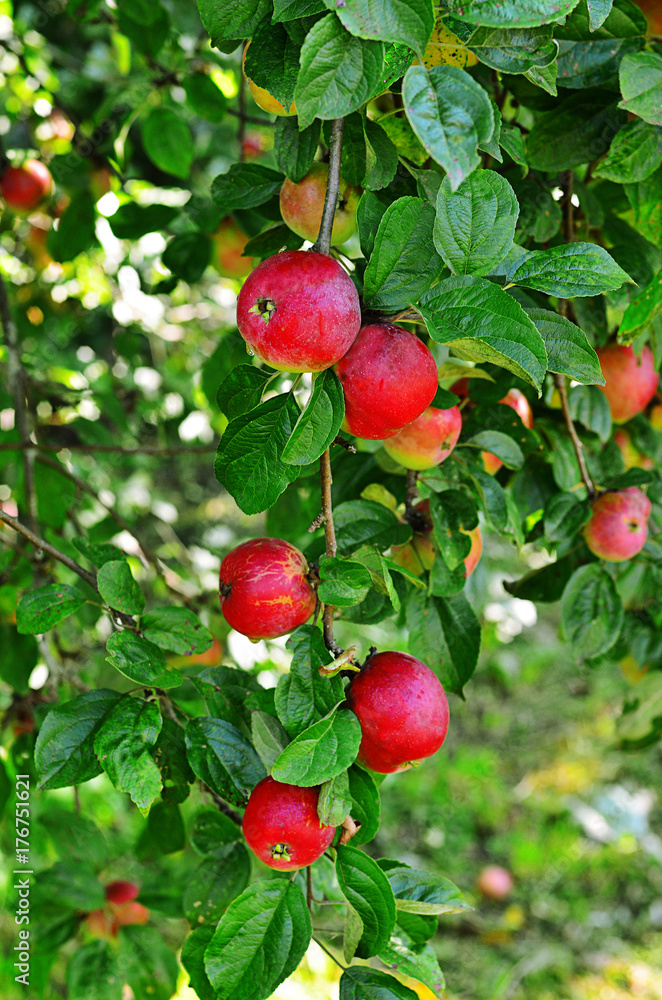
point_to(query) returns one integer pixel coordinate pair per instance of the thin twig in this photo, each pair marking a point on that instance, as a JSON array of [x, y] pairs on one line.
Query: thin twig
[[110, 448], [44, 546], [560, 383], [323, 242], [326, 481], [223, 806], [309, 887]]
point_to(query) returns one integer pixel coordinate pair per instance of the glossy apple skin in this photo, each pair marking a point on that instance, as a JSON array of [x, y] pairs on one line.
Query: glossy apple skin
[[301, 205], [270, 593], [630, 381], [299, 311], [632, 457], [281, 825], [25, 186], [426, 441], [403, 711], [121, 892], [388, 377], [495, 882], [263, 98], [129, 913], [228, 243], [619, 524]]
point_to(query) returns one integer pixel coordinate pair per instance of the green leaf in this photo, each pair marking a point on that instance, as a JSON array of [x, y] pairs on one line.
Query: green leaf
[[587, 406], [222, 758], [360, 522], [295, 150], [362, 983], [365, 886], [211, 830], [510, 13], [75, 837], [444, 633], [514, 50], [451, 510], [76, 229], [140, 660], [578, 130], [633, 155], [290, 10], [165, 827], [269, 737], [564, 516], [335, 800], [338, 74], [568, 350], [320, 752], [74, 884], [204, 97], [599, 11], [272, 240], [242, 390], [119, 589], [318, 423], [259, 941], [233, 18], [146, 963], [592, 63], [168, 142], [421, 964], [406, 21], [170, 757], [302, 696], [381, 157], [451, 114], [591, 611], [511, 141], [187, 256], [272, 62], [544, 78], [193, 961], [344, 582], [475, 225], [484, 323], [640, 77], [176, 629], [421, 892], [121, 745], [93, 973], [645, 197], [569, 270], [501, 445], [643, 309], [131, 221], [43, 608], [249, 457], [644, 717], [366, 807], [403, 263], [64, 752], [215, 883], [245, 185]]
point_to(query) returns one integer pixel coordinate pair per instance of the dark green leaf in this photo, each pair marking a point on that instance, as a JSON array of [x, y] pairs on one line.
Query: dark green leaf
[[475, 225], [245, 185], [64, 753], [121, 744], [511, 141], [564, 516], [510, 13], [318, 423], [362, 983], [165, 827], [272, 62], [98, 554], [366, 888], [146, 963], [366, 808], [577, 130], [420, 964], [176, 629], [591, 611], [302, 696], [212, 830], [74, 885], [170, 757], [204, 97], [140, 660], [587, 406], [501, 445], [269, 737], [232, 19], [242, 390], [599, 12], [344, 582], [569, 270], [290, 10], [43, 608], [222, 758], [259, 942], [295, 150], [168, 142], [633, 155], [514, 50], [642, 309], [568, 350], [444, 633], [215, 883], [335, 800], [645, 197], [361, 522], [272, 240], [381, 157], [451, 114], [75, 232], [93, 973], [131, 221], [320, 752], [187, 256], [421, 892], [406, 21]]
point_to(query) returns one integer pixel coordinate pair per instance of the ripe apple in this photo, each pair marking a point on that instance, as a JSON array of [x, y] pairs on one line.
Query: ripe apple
[[25, 186], [264, 588], [618, 527], [403, 711], [513, 398], [121, 892], [102, 924], [475, 552], [129, 913], [495, 882], [630, 381], [228, 243], [632, 457], [263, 98], [426, 441], [299, 311], [281, 825], [388, 377], [301, 205], [418, 555]]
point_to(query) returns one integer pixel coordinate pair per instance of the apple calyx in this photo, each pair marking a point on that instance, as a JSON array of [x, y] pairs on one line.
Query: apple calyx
[[280, 852], [264, 308], [225, 589]]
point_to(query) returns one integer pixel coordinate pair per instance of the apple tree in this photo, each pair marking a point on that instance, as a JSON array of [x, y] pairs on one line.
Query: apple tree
[[442, 228]]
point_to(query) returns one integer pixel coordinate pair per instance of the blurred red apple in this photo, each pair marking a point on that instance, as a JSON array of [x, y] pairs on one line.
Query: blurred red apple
[[25, 186], [619, 524], [228, 243], [495, 882], [630, 381]]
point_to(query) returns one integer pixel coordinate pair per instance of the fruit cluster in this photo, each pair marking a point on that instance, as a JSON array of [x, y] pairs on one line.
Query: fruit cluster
[[121, 910]]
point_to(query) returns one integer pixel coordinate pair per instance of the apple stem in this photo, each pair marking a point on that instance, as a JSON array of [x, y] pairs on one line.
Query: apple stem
[[560, 382], [323, 242]]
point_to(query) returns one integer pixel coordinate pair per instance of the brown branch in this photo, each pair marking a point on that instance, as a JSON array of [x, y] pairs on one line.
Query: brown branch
[[222, 806], [115, 449], [331, 547], [44, 546], [412, 491], [560, 383], [323, 242]]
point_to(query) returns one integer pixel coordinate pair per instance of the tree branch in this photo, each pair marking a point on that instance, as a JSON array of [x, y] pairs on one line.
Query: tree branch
[[331, 547], [560, 383], [323, 242], [44, 546]]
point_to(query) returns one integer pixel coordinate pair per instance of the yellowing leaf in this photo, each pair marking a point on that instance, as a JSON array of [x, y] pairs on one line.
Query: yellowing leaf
[[446, 49]]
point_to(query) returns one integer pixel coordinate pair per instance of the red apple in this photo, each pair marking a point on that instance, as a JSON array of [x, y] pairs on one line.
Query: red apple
[[301, 205], [263, 98], [403, 711], [630, 381], [426, 441], [102, 924], [121, 892], [653, 12], [475, 552], [281, 825], [388, 377], [299, 311], [418, 555], [619, 524], [228, 243], [129, 913], [495, 882], [24, 187], [265, 590], [632, 457]]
